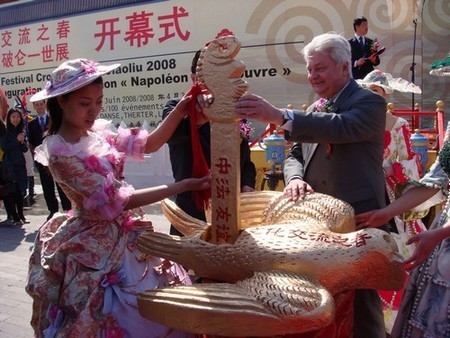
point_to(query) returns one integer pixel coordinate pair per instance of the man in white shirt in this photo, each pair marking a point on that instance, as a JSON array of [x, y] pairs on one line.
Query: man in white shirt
[[36, 129]]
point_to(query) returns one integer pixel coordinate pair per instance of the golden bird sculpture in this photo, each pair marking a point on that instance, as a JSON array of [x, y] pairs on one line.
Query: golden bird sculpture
[[280, 275]]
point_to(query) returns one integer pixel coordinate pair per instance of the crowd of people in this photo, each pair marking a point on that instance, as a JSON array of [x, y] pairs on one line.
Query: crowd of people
[[19, 135], [85, 270]]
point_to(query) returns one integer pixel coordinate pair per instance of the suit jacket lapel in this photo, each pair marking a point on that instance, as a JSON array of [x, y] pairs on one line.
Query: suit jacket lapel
[[344, 95], [308, 150]]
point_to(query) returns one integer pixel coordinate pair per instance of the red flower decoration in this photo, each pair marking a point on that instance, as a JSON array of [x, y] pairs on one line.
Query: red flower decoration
[[128, 223], [245, 129], [224, 32], [90, 68]]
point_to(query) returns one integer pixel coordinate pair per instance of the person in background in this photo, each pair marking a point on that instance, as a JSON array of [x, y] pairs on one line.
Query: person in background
[[363, 49], [29, 199], [423, 311], [5, 174], [36, 130], [401, 165], [3, 111], [85, 271], [14, 145], [344, 127], [3, 104], [181, 157]]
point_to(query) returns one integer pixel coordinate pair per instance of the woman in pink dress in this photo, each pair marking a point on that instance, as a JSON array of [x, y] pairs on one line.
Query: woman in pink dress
[[84, 271], [401, 165]]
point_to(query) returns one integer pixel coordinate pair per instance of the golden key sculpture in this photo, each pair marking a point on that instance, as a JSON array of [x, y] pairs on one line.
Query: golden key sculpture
[[279, 262]]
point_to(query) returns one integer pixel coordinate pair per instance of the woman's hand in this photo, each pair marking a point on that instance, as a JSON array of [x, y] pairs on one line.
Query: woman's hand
[[388, 171], [21, 137], [425, 242], [204, 101], [296, 188], [372, 219], [194, 184]]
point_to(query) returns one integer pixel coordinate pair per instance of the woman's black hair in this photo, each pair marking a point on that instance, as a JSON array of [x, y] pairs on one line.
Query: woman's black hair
[[55, 111], [194, 61], [9, 126]]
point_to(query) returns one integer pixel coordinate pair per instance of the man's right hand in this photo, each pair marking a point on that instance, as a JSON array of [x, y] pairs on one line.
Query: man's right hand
[[361, 62], [204, 101], [296, 188]]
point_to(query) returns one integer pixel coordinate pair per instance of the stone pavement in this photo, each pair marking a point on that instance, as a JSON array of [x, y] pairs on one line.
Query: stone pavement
[[16, 243]]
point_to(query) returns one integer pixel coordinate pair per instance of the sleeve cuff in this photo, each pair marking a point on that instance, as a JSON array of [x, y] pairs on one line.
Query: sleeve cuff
[[288, 120]]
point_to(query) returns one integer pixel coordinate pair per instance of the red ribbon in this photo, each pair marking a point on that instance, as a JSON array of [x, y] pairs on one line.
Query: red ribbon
[[199, 165]]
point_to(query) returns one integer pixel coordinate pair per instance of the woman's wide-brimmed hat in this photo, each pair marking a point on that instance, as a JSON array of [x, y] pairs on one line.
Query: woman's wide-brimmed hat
[[388, 83], [72, 75]]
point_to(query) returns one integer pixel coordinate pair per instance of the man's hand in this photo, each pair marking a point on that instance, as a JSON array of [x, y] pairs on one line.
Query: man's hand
[[372, 58], [296, 188], [246, 188], [255, 107], [361, 62]]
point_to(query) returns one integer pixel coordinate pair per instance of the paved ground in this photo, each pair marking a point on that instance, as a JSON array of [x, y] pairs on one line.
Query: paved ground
[[16, 243]]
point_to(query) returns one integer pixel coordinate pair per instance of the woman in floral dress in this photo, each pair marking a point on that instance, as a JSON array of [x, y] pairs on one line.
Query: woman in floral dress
[[424, 309], [84, 270], [400, 165]]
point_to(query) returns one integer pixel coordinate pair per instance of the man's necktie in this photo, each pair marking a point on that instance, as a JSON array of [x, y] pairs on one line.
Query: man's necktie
[[42, 122], [361, 42]]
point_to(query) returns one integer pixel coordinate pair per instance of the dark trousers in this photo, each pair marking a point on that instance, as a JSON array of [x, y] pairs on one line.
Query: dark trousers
[[48, 188], [369, 320], [14, 205]]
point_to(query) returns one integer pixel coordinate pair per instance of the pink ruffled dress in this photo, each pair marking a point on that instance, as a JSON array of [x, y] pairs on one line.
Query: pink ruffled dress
[[85, 271]]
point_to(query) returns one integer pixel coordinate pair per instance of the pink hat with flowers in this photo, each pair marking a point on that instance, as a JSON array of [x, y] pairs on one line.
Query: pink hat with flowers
[[72, 75]]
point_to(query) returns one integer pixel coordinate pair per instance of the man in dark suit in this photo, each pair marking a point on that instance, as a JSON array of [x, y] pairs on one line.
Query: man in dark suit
[[181, 155], [36, 128], [341, 153], [363, 49]]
